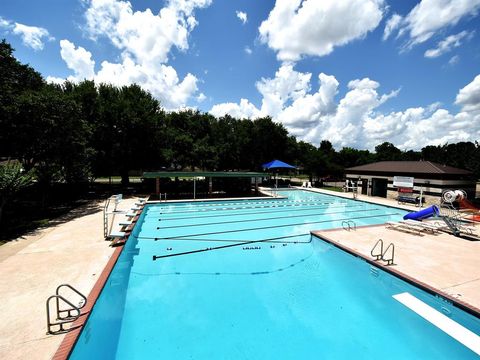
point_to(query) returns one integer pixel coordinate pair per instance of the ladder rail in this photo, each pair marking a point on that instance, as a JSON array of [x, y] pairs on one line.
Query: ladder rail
[[79, 307], [60, 320], [377, 256], [391, 259], [349, 225]]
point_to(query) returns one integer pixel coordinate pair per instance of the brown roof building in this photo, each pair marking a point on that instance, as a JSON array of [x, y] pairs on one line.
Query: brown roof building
[[428, 178]]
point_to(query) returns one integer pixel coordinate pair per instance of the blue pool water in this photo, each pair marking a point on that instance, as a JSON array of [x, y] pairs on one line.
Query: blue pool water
[[210, 295]]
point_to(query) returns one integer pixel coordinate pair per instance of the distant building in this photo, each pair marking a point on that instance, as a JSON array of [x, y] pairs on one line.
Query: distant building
[[377, 179]]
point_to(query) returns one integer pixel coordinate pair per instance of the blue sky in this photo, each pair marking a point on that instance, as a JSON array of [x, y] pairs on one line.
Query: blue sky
[[355, 72]]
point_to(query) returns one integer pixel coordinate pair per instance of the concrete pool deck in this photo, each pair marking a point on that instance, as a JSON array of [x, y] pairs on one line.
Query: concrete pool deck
[[74, 251]]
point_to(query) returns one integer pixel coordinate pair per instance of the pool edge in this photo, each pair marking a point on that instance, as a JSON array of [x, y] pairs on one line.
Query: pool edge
[[472, 310], [71, 337]]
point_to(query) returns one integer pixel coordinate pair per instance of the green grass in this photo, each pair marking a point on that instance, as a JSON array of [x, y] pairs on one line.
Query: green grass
[[333, 188]]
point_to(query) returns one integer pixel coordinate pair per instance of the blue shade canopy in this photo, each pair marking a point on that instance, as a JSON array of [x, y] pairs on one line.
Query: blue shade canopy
[[277, 164]]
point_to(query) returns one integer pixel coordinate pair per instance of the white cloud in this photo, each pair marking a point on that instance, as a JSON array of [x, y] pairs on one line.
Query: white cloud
[[392, 24], [144, 41], [429, 17], [355, 119], [240, 111], [32, 36], [448, 44], [248, 50], [454, 60], [242, 16], [469, 96], [201, 97], [79, 60], [311, 27], [4, 23]]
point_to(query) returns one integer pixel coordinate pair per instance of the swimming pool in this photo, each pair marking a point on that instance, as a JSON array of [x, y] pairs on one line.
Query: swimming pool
[[246, 280]]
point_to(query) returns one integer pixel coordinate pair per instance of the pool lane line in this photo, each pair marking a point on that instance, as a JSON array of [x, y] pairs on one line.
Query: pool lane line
[[264, 219], [260, 212], [155, 257], [216, 273], [272, 227], [227, 203], [224, 208], [270, 240], [463, 335]]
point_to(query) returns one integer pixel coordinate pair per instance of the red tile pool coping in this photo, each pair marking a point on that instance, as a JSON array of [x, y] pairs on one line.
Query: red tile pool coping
[[430, 289], [70, 339]]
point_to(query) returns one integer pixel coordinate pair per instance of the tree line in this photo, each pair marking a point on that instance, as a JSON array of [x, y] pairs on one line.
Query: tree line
[[75, 132]]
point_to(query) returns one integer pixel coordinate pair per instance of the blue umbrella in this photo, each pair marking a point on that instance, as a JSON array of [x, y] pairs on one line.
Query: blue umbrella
[[277, 164]]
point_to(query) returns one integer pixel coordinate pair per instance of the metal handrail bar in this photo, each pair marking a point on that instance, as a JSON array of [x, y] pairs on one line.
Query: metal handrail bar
[[379, 255], [389, 260], [349, 225], [61, 321], [80, 306]]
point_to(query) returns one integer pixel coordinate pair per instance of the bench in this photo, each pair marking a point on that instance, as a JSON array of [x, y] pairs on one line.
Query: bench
[[408, 199]]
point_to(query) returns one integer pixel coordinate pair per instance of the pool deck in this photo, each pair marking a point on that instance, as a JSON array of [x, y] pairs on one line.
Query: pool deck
[[74, 251]]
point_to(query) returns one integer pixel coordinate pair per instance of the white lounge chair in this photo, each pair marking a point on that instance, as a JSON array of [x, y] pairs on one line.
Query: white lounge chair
[[421, 225], [116, 235], [125, 222], [403, 227], [304, 184], [309, 184]]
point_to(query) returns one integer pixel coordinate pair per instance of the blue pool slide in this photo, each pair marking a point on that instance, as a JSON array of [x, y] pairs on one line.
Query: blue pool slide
[[423, 214]]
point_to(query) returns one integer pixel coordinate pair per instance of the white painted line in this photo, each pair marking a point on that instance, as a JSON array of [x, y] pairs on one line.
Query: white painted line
[[444, 323]]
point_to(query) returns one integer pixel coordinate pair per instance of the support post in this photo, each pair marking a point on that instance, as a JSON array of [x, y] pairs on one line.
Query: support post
[[157, 186], [210, 186], [194, 188]]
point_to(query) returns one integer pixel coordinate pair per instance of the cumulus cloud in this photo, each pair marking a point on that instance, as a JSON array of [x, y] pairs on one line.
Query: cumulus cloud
[[144, 40], [448, 44], [355, 119], [429, 17], [469, 96], [242, 16], [32, 36], [77, 59], [240, 111], [310, 27]]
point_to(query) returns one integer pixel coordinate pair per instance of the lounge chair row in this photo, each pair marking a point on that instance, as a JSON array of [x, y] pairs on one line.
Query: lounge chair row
[[306, 184]]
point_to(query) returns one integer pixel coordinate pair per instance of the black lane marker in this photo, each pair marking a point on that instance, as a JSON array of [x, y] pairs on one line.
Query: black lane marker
[[155, 257], [270, 227], [216, 273], [251, 220], [272, 240], [261, 212]]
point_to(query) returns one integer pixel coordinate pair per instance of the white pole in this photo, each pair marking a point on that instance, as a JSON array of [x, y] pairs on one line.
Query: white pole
[[194, 188]]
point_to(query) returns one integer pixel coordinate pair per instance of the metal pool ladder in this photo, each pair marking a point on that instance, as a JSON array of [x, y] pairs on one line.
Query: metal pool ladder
[[349, 225], [66, 315], [378, 253]]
